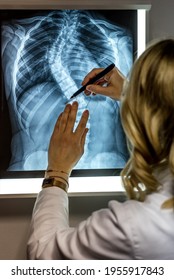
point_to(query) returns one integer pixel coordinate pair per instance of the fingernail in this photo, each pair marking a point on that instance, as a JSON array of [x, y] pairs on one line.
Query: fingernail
[[89, 88], [68, 105], [75, 103], [86, 112]]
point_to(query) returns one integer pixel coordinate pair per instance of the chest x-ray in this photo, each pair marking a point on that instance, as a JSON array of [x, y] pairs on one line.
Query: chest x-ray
[[44, 59]]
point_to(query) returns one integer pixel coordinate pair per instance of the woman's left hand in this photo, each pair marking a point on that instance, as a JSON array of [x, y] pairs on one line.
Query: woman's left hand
[[66, 144]]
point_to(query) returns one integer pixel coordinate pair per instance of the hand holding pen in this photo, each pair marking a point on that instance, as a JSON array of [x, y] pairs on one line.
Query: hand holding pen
[[109, 85], [94, 79]]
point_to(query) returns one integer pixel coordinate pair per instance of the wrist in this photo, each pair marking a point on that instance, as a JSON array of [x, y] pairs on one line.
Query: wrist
[[58, 175], [57, 172], [54, 182], [59, 168]]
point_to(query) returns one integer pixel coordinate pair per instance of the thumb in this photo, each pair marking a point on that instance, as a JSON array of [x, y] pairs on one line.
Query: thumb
[[98, 89]]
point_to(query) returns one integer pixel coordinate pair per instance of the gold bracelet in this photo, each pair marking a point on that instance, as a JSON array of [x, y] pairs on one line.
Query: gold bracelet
[[60, 171], [52, 182], [55, 176]]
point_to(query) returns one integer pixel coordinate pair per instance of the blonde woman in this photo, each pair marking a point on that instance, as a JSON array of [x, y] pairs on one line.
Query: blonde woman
[[142, 226]]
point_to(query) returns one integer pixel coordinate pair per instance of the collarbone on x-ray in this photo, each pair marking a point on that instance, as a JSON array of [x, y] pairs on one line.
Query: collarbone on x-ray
[[45, 58]]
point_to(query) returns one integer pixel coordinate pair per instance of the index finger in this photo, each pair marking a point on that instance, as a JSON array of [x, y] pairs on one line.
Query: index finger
[[91, 75]]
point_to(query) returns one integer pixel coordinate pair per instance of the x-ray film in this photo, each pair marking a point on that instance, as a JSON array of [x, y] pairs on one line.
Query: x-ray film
[[45, 57]]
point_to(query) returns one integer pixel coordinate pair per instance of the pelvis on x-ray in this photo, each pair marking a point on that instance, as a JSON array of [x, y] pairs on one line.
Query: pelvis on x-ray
[[44, 60]]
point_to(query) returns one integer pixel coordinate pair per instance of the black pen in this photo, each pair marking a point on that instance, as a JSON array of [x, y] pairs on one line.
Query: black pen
[[95, 79]]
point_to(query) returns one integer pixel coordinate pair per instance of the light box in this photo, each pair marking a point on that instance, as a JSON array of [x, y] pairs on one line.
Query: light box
[[45, 55]]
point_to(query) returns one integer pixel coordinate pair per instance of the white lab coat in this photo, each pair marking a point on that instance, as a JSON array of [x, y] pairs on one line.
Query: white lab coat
[[128, 230]]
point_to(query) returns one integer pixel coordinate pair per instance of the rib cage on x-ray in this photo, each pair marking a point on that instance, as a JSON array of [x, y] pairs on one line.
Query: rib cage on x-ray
[[45, 59]]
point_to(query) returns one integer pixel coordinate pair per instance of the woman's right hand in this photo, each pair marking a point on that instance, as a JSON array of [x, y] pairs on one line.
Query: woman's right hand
[[110, 85]]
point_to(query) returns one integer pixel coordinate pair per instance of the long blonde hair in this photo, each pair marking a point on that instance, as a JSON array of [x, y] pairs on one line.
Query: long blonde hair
[[147, 113]]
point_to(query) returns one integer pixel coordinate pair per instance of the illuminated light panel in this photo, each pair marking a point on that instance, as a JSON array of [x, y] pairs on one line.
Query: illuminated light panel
[[141, 25], [78, 186]]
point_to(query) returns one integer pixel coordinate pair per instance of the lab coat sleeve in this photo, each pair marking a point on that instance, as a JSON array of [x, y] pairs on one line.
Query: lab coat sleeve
[[104, 235]]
